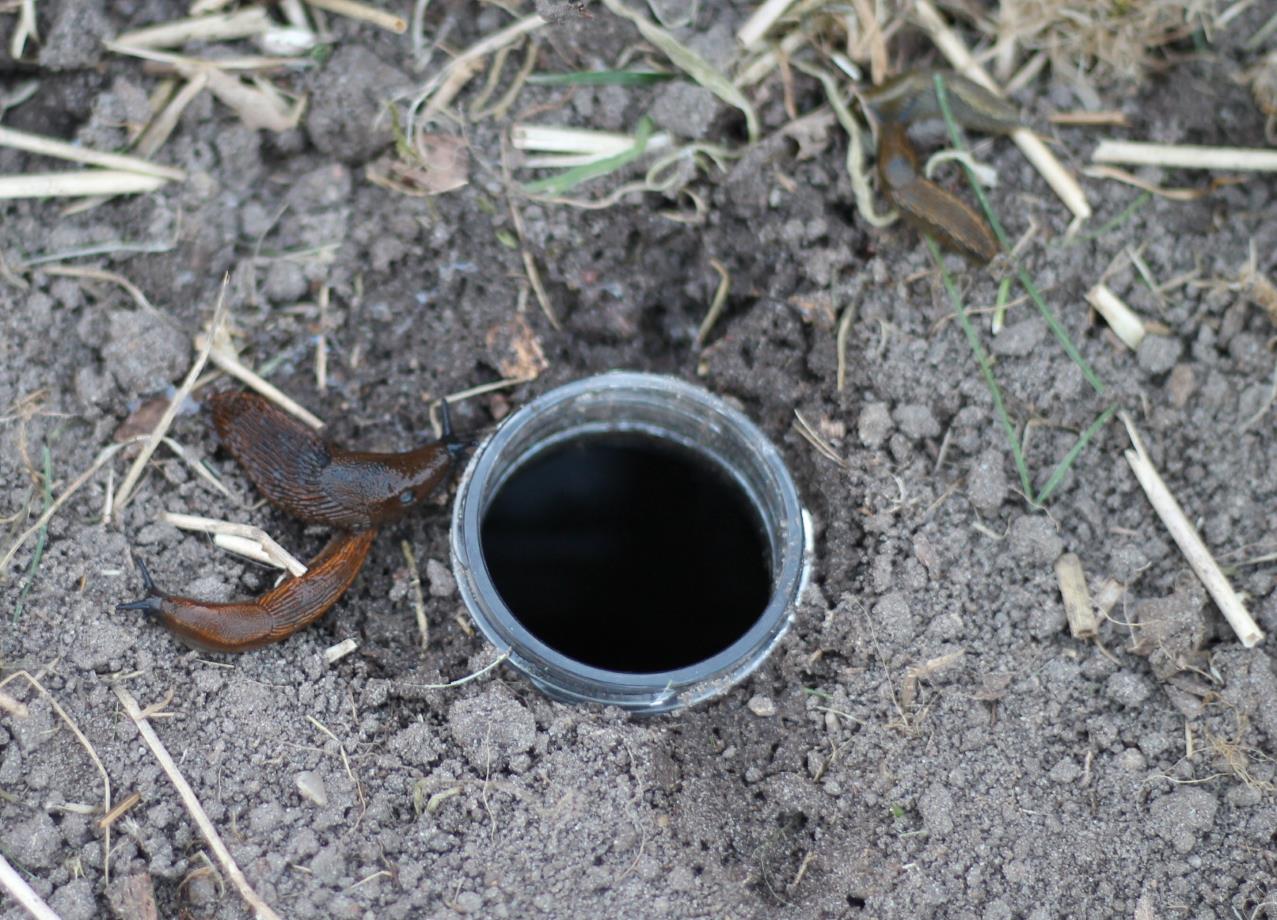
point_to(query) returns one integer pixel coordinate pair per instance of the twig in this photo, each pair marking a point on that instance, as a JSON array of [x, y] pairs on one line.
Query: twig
[[757, 25], [121, 807], [418, 597], [243, 23], [98, 274], [273, 552], [840, 341], [26, 28], [51, 147], [335, 653], [1078, 608], [363, 13], [21, 892], [223, 355], [15, 708], [1188, 540], [260, 907], [717, 305], [1124, 322], [77, 184], [1185, 156], [952, 47], [125, 491]]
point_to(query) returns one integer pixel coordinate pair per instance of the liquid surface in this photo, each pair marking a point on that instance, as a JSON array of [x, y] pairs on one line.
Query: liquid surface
[[628, 554]]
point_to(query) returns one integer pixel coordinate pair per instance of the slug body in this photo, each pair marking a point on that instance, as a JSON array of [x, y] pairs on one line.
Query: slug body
[[300, 473], [923, 203], [240, 626]]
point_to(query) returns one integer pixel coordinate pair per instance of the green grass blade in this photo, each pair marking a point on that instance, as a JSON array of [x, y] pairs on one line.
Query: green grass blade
[[1061, 334], [602, 78], [41, 537], [1114, 222], [982, 358], [1074, 452], [569, 178]]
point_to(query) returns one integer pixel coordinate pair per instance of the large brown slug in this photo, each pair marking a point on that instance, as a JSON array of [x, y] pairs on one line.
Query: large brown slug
[[240, 626], [300, 473]]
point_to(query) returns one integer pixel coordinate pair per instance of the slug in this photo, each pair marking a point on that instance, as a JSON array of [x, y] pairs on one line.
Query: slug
[[300, 473], [241, 626], [924, 204], [927, 206]]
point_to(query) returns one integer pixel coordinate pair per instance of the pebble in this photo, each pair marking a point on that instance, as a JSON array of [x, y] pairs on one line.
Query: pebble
[[917, 421], [442, 584], [142, 353], [987, 482], [311, 786], [1033, 539], [1019, 339], [761, 706], [1178, 818], [874, 425], [1127, 688], [1157, 354]]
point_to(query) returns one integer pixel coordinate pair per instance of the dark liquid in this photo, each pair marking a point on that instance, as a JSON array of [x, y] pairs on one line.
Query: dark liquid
[[628, 554]]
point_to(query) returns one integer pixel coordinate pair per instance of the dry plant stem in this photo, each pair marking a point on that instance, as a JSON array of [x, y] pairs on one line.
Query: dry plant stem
[[77, 184], [260, 908], [98, 274], [125, 491], [1078, 608], [21, 892], [1124, 322], [1185, 156], [93, 756], [757, 25], [103, 456], [275, 554], [224, 357], [218, 27], [952, 47], [717, 305], [26, 28], [1129, 178], [335, 653], [840, 342], [243, 546], [51, 147], [418, 597], [364, 13], [1190, 544]]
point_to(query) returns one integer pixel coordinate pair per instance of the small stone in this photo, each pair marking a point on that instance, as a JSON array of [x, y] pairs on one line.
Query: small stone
[[1019, 339], [468, 902], [987, 482], [917, 421], [143, 353], [874, 425], [1157, 354], [285, 283], [491, 728], [894, 618], [762, 706], [329, 865], [936, 807], [75, 900], [1066, 771], [1178, 818], [686, 109], [1033, 539], [442, 584], [1181, 384], [347, 117], [75, 38], [1170, 631], [1131, 760], [1127, 688], [311, 785]]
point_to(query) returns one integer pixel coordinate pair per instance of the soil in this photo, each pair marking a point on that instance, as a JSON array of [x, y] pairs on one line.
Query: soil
[[928, 740]]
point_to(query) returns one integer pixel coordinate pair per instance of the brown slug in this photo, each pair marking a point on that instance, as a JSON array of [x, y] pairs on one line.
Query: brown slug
[[300, 473], [924, 204], [927, 206], [240, 626]]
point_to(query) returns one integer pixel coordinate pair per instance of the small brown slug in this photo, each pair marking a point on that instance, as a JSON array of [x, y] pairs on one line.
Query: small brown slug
[[300, 473], [927, 206], [909, 98], [241, 626]]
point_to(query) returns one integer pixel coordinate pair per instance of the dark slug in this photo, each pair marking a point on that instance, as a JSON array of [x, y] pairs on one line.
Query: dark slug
[[300, 473], [241, 626], [924, 204]]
